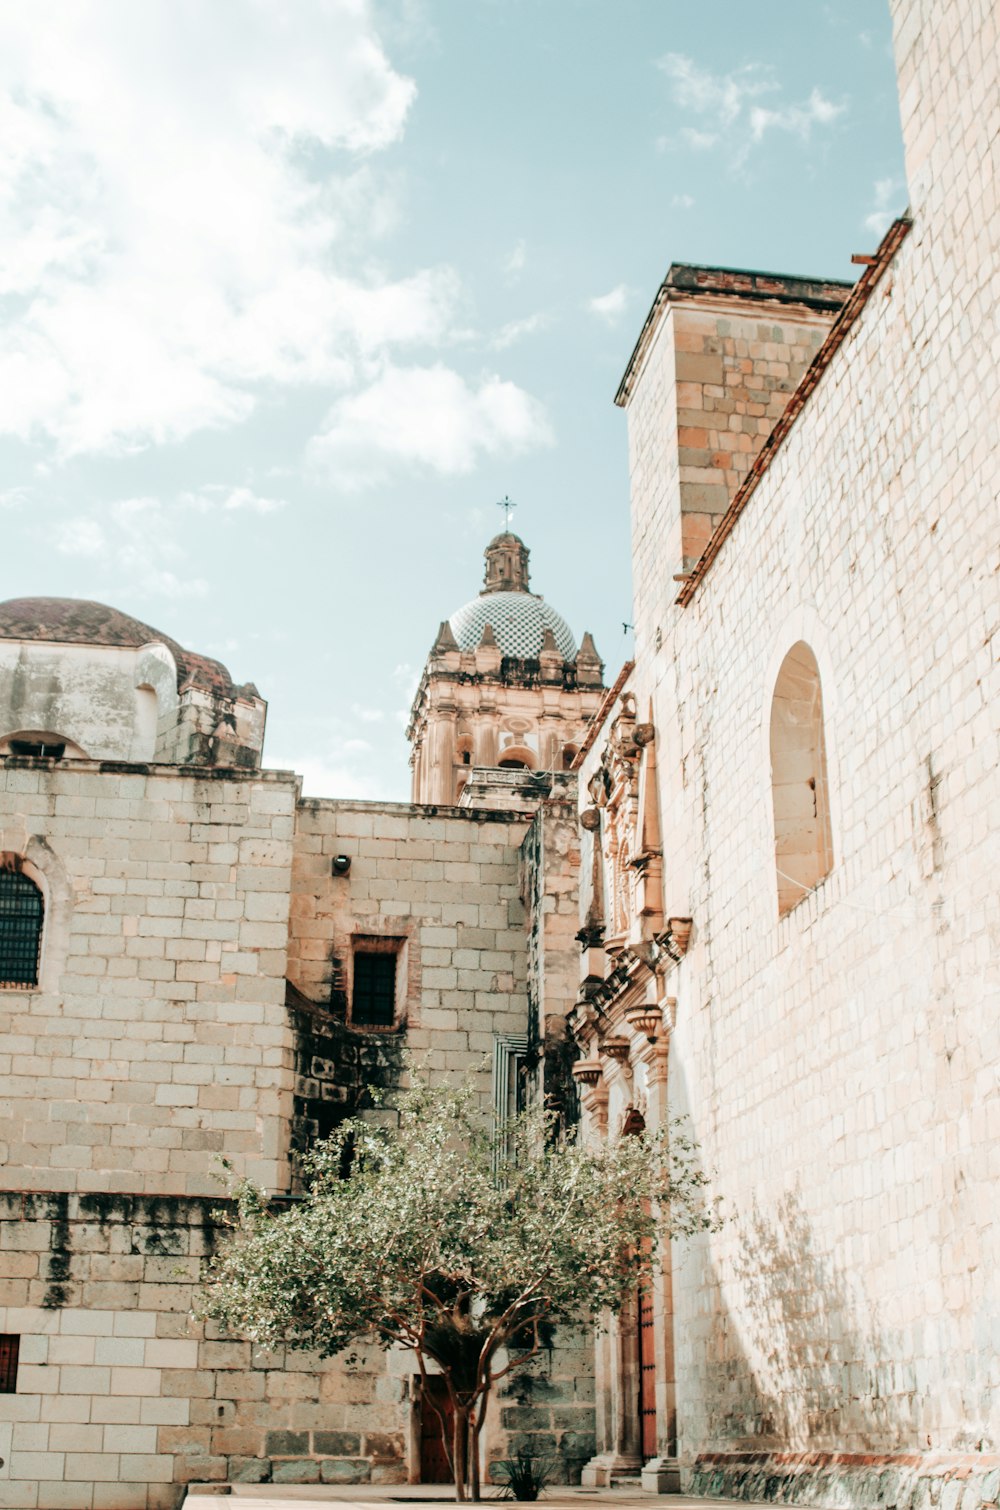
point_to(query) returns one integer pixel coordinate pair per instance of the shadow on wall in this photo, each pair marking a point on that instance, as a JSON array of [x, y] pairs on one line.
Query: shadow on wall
[[777, 1348], [800, 1372]]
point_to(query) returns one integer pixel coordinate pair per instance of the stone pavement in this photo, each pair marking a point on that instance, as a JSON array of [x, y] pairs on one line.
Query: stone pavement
[[391, 1497]]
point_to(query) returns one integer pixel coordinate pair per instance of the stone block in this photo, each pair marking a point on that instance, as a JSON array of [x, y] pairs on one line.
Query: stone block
[[345, 1471], [295, 1471], [343, 1444], [250, 1470], [286, 1443]]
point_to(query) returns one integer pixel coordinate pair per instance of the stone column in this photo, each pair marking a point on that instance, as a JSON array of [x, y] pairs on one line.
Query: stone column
[[619, 1453], [662, 1473]]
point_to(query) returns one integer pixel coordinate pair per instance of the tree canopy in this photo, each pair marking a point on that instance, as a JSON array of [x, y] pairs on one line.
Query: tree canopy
[[466, 1245]]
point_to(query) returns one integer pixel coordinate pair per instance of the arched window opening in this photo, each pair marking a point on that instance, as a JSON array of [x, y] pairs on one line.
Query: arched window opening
[[21, 916], [517, 758], [41, 744], [803, 841]]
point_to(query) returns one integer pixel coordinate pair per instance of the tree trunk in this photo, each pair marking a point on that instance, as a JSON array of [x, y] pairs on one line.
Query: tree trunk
[[473, 1462], [460, 1450], [477, 1426]]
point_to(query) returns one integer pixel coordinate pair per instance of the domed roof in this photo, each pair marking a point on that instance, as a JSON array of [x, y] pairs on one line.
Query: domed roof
[[518, 620], [78, 621]]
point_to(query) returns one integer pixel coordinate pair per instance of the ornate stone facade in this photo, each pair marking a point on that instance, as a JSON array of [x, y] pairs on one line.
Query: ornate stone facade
[[504, 685]]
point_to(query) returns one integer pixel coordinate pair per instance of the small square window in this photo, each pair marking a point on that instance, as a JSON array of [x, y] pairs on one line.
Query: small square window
[[9, 1348], [373, 999]]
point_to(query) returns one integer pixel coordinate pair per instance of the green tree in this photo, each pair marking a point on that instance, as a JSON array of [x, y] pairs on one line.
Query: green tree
[[427, 1230]]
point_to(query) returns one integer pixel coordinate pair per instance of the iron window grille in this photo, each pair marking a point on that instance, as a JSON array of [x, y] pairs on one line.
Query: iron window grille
[[39, 748], [373, 1000], [21, 916], [9, 1348]]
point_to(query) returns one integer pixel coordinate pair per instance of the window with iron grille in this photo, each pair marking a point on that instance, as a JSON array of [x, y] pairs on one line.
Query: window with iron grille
[[9, 1348], [373, 1001], [38, 747], [21, 914]]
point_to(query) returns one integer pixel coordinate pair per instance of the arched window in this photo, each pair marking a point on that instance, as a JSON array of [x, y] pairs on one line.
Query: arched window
[[21, 916], [803, 842], [517, 758]]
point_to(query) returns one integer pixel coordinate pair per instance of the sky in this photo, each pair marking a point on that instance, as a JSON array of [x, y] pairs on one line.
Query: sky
[[292, 295]]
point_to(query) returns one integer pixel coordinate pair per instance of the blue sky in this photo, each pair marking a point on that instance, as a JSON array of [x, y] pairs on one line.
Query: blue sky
[[292, 294]]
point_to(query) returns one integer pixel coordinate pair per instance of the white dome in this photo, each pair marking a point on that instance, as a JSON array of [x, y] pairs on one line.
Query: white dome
[[519, 621]]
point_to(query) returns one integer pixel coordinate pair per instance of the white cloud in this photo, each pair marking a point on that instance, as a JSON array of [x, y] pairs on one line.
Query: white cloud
[[178, 200], [610, 306], [367, 715], [323, 777], [79, 537], [682, 202], [888, 198], [798, 119], [516, 330], [729, 103], [699, 141], [516, 260], [427, 417], [723, 96], [136, 544], [216, 497]]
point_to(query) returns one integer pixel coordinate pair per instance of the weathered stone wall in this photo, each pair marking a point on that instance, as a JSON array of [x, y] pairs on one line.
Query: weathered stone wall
[[158, 1035], [550, 868], [839, 1063], [122, 1399], [121, 702], [442, 881]]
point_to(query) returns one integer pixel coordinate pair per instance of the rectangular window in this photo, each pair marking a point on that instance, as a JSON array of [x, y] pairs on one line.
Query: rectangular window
[[9, 1348], [373, 1000]]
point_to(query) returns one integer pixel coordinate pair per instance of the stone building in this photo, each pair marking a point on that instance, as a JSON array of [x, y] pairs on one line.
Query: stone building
[[789, 846], [504, 686], [195, 961], [762, 898]]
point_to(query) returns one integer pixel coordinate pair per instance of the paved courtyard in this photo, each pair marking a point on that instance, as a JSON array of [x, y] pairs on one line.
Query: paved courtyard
[[368, 1497]]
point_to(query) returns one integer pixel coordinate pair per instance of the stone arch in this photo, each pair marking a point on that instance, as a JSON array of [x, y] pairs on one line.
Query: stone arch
[[48, 737], [518, 758], [803, 832]]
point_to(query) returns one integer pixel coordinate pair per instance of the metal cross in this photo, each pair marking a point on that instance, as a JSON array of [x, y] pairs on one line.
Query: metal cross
[[506, 504]]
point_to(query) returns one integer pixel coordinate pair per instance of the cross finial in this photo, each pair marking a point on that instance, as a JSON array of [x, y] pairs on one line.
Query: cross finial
[[508, 507]]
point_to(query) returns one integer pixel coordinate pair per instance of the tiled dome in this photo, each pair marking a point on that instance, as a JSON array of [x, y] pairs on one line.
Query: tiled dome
[[518, 620]]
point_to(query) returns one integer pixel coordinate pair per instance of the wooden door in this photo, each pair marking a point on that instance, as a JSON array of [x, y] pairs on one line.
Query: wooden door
[[434, 1465], [647, 1375]]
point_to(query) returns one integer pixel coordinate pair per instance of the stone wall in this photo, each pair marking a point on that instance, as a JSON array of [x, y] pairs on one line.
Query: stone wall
[[444, 883], [158, 1035], [550, 869], [122, 1400], [839, 1063]]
